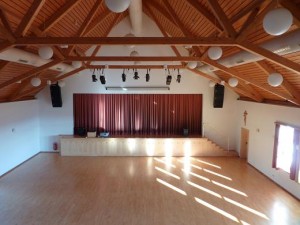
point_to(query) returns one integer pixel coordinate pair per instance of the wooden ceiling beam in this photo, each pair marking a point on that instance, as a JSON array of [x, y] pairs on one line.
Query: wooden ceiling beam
[[163, 12], [161, 28], [58, 15], [201, 41], [218, 80], [5, 45], [86, 22], [68, 74], [277, 59], [30, 73], [29, 17], [233, 72], [255, 22], [206, 14], [249, 20], [96, 22], [222, 18], [181, 26], [21, 89], [7, 31], [132, 59], [29, 92], [254, 4], [293, 8], [285, 85]]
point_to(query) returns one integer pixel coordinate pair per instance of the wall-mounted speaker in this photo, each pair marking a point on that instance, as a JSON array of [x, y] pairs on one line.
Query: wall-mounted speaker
[[218, 96], [55, 95]]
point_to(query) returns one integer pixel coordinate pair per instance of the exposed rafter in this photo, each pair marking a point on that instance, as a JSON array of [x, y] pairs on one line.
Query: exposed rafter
[[30, 73], [58, 15], [206, 14], [221, 17], [6, 29], [279, 60], [233, 72], [286, 85], [201, 41], [29, 17], [293, 8]]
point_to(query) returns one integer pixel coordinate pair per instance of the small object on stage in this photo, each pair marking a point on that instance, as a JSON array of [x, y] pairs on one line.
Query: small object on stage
[[104, 134]]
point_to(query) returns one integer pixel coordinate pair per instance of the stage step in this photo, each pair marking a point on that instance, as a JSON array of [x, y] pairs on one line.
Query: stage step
[[74, 146]]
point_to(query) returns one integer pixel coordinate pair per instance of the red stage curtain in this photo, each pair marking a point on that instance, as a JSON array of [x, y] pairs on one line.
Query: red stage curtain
[[139, 114]]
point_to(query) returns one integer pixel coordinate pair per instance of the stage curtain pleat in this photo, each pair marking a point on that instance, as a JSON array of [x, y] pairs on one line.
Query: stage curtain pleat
[[139, 114]]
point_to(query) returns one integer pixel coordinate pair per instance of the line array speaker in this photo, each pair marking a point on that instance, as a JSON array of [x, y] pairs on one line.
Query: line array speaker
[[55, 95], [218, 96]]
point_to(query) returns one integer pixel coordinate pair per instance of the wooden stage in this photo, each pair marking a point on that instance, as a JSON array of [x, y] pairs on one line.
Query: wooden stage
[[140, 146], [50, 189]]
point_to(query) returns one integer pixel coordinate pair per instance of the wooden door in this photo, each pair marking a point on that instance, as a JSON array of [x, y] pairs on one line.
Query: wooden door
[[244, 143]]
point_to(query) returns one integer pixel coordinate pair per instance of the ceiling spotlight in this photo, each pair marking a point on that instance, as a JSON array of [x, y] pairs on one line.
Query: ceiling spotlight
[[192, 65], [233, 82], [123, 76], [35, 82], [169, 80], [277, 21], [275, 79], [94, 77], [102, 79], [76, 64], [117, 6], [215, 52], [178, 77], [136, 75], [45, 52], [147, 75]]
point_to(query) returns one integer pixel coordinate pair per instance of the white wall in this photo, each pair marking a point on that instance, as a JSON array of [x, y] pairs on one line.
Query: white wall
[[19, 132], [260, 122], [219, 123]]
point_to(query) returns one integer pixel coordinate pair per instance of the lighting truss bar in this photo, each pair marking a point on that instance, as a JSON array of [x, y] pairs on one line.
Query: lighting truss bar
[[135, 66], [150, 88]]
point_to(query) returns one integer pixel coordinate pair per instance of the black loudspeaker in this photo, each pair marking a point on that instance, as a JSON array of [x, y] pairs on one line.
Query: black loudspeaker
[[81, 131], [55, 95], [218, 96]]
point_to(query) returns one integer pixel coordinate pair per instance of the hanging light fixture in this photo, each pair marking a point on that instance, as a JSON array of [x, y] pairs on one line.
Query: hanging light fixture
[[275, 79], [169, 78], [136, 75], [130, 35], [233, 82], [123, 76], [45, 52], [61, 83], [76, 64], [211, 84], [117, 6], [277, 21], [178, 77], [35, 82], [192, 65], [148, 75], [102, 77], [215, 52]]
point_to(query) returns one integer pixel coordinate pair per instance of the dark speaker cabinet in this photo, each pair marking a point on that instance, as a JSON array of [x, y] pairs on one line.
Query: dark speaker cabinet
[[55, 95], [218, 96]]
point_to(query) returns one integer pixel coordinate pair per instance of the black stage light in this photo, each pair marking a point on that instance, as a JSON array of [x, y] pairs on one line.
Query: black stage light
[[102, 79], [123, 76], [94, 78], [178, 78], [136, 75], [147, 75], [169, 80]]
